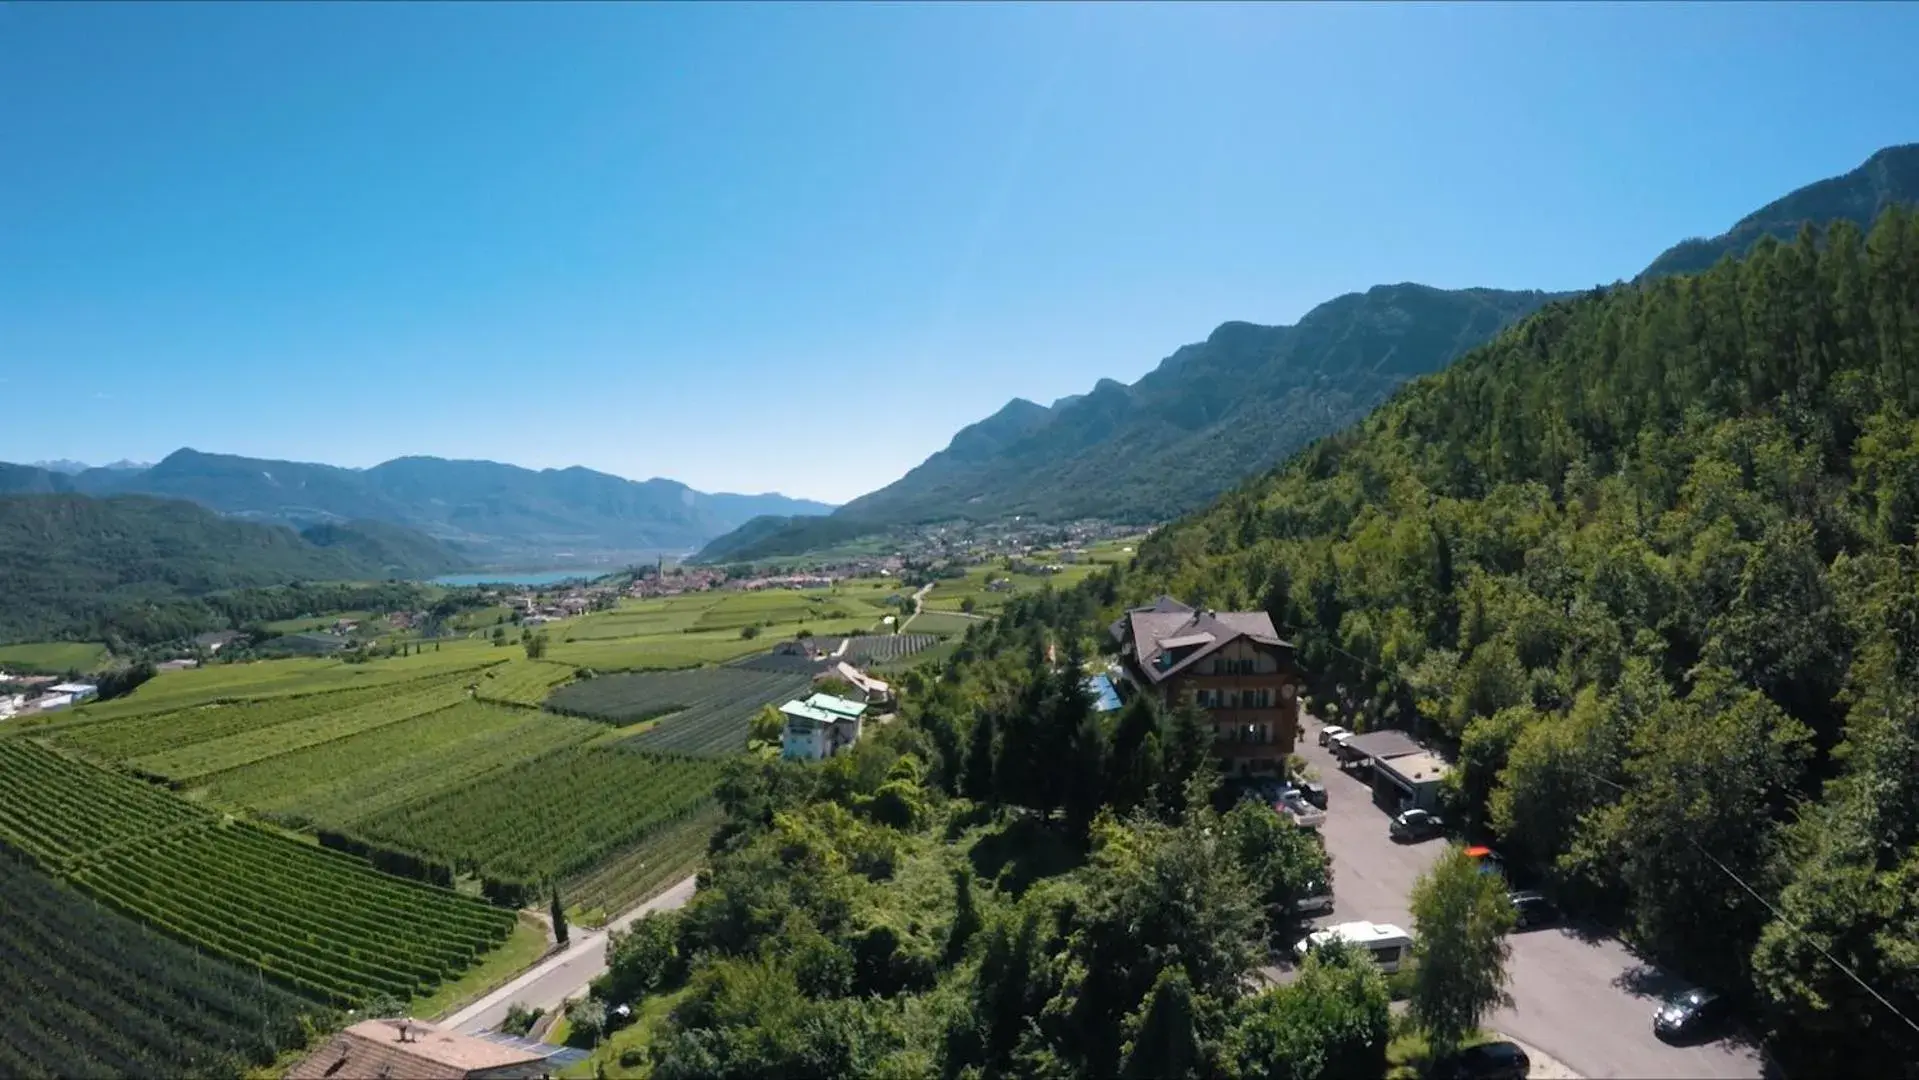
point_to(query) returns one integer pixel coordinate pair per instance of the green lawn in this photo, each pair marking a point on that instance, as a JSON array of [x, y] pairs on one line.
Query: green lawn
[[54, 656]]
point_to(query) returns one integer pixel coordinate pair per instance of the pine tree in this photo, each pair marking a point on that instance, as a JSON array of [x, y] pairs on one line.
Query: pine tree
[[966, 917], [1165, 1042], [976, 779], [559, 918]]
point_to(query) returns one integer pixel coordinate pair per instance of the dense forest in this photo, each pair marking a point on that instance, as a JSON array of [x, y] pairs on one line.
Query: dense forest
[[1648, 559], [1646, 562], [144, 570]]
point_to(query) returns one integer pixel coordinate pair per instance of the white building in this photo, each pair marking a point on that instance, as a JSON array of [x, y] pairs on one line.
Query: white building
[[78, 691], [819, 727], [53, 702]]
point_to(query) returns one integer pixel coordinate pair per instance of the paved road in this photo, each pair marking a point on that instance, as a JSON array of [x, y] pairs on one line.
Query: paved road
[[563, 975], [1586, 1000]]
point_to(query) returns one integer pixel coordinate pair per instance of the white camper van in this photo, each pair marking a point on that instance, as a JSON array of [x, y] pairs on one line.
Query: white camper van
[[1389, 945]]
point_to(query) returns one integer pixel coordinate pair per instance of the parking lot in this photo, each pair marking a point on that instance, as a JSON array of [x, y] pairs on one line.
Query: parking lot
[[1583, 998]]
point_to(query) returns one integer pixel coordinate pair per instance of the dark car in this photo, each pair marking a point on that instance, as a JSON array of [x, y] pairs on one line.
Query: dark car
[[1416, 825], [1487, 1061], [1689, 1014], [1532, 910], [1314, 793]]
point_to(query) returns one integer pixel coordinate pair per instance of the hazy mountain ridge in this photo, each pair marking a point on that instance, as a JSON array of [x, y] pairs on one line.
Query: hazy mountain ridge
[[67, 559], [487, 508]]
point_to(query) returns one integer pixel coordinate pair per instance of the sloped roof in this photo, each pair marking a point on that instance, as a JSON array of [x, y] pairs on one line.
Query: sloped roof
[[838, 706], [373, 1048], [1168, 626], [802, 711]]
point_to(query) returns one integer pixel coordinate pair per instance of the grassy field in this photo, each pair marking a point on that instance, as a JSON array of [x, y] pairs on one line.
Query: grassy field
[[669, 633], [300, 675], [54, 656], [939, 622], [951, 595], [522, 682]]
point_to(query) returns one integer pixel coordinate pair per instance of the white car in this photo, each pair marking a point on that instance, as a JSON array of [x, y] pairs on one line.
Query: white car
[[1328, 733], [1387, 943], [1304, 813]]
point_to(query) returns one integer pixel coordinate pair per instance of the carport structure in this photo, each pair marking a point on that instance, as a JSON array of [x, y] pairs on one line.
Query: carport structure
[[1382, 754]]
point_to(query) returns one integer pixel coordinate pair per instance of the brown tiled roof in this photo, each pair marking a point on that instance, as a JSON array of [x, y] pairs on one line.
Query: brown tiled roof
[[1168, 624], [372, 1049]]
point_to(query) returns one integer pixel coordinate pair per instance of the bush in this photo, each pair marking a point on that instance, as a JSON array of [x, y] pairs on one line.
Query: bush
[[586, 1020], [520, 1019]]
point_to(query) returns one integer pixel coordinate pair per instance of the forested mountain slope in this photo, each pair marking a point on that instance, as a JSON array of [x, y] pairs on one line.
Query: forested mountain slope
[[501, 511], [1249, 395], [1649, 556], [1889, 177], [1208, 415], [68, 561]]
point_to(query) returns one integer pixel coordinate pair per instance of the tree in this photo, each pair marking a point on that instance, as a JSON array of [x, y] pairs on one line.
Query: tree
[[641, 959], [976, 779], [750, 631], [559, 917], [968, 605], [966, 917], [1134, 764], [1284, 862], [1163, 1042], [767, 725], [1460, 920], [536, 645], [1332, 1022]]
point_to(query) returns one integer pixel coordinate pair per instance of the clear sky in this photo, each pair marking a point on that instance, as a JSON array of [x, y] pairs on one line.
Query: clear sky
[[797, 247]]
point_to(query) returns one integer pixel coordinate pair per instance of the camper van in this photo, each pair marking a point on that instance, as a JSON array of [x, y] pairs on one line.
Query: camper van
[[1389, 945]]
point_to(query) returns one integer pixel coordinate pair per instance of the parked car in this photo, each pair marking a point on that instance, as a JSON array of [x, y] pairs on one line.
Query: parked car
[[1693, 1013], [1305, 813], [1532, 909], [1314, 793], [1317, 901], [1329, 732], [1416, 825], [1487, 1061]]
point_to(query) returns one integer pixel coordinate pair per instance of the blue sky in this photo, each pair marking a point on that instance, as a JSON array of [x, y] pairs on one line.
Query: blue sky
[[797, 247]]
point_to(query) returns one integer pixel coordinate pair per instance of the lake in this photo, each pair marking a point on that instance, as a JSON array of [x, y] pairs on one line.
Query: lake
[[518, 577]]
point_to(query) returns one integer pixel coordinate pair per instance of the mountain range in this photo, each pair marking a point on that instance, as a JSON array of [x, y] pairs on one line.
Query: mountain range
[[1249, 395], [484, 510], [70, 563]]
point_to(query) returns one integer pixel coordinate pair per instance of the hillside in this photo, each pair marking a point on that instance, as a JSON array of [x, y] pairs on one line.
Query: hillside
[[1249, 395], [1649, 558], [1888, 177], [1209, 414], [68, 561], [495, 511]]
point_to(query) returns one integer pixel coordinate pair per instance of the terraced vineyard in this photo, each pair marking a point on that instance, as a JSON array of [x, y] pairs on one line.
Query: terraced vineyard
[[339, 783], [667, 855], [522, 682], [879, 648], [707, 712], [325, 924], [92, 993], [554, 817]]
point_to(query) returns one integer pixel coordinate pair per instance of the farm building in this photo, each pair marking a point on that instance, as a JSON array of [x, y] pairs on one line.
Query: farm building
[[819, 727], [53, 702], [873, 691], [79, 691], [411, 1050]]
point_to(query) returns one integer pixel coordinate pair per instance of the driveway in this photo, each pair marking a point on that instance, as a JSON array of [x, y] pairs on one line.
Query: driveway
[[1586, 1000]]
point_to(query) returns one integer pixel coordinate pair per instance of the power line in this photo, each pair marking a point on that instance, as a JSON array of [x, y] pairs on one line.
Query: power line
[[1780, 916], [1710, 857]]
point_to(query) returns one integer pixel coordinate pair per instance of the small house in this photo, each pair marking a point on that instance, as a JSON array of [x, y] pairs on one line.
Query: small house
[[404, 1048], [874, 692], [819, 727]]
